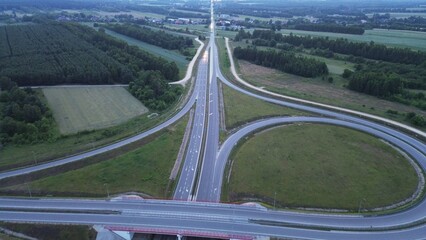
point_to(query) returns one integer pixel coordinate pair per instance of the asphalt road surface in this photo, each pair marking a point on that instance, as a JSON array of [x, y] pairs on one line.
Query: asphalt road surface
[[187, 177], [225, 220]]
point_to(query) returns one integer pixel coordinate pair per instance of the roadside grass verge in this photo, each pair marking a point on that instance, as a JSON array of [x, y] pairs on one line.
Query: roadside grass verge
[[50, 232], [84, 108], [339, 168], [15, 156], [241, 109], [145, 170], [315, 89]]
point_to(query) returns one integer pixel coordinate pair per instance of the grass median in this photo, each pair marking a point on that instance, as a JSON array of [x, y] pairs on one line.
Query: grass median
[[241, 108], [319, 166]]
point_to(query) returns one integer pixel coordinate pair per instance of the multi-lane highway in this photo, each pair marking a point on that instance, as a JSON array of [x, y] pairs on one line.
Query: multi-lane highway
[[187, 177], [225, 220], [203, 192]]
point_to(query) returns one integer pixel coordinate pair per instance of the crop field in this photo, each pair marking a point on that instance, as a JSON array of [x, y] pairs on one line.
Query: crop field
[[169, 55], [76, 109], [338, 168], [398, 38]]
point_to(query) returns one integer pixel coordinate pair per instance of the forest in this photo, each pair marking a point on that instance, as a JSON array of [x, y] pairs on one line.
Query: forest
[[131, 56], [152, 74], [157, 38], [154, 91], [377, 84], [49, 54], [24, 118], [334, 28], [283, 61], [341, 45]]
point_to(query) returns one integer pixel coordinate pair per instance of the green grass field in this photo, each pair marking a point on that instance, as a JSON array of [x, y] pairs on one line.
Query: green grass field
[[240, 108], [144, 170], [337, 168], [169, 55], [77, 109], [397, 38], [334, 66]]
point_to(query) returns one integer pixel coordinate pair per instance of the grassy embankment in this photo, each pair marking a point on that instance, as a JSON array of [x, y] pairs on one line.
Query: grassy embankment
[[145, 170], [338, 168], [12, 156], [50, 232], [240, 108], [318, 90]]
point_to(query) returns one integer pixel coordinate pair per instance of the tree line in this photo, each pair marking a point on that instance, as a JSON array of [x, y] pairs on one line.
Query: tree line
[[283, 61], [132, 57], [24, 118], [48, 54], [334, 28], [374, 83], [157, 38], [152, 74], [154, 91], [344, 46]]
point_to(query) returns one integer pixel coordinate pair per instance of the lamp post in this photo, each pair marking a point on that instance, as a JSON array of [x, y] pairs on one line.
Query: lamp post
[[275, 197], [106, 188], [29, 190], [34, 158]]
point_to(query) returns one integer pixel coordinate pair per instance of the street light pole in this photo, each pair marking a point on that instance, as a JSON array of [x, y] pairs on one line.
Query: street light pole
[[106, 187], [29, 190], [34, 158], [275, 197]]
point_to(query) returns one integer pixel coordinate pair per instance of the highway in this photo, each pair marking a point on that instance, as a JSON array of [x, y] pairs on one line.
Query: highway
[[208, 217], [203, 192], [187, 177]]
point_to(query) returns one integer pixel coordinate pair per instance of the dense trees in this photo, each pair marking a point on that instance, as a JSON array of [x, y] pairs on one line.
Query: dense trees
[[24, 118], [49, 54], [131, 56], [330, 28], [286, 62], [343, 46], [377, 84], [158, 38], [153, 73], [154, 91], [367, 50]]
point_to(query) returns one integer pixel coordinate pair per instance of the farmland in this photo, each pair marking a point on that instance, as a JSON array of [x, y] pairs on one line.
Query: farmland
[[397, 38], [337, 168], [76, 109]]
